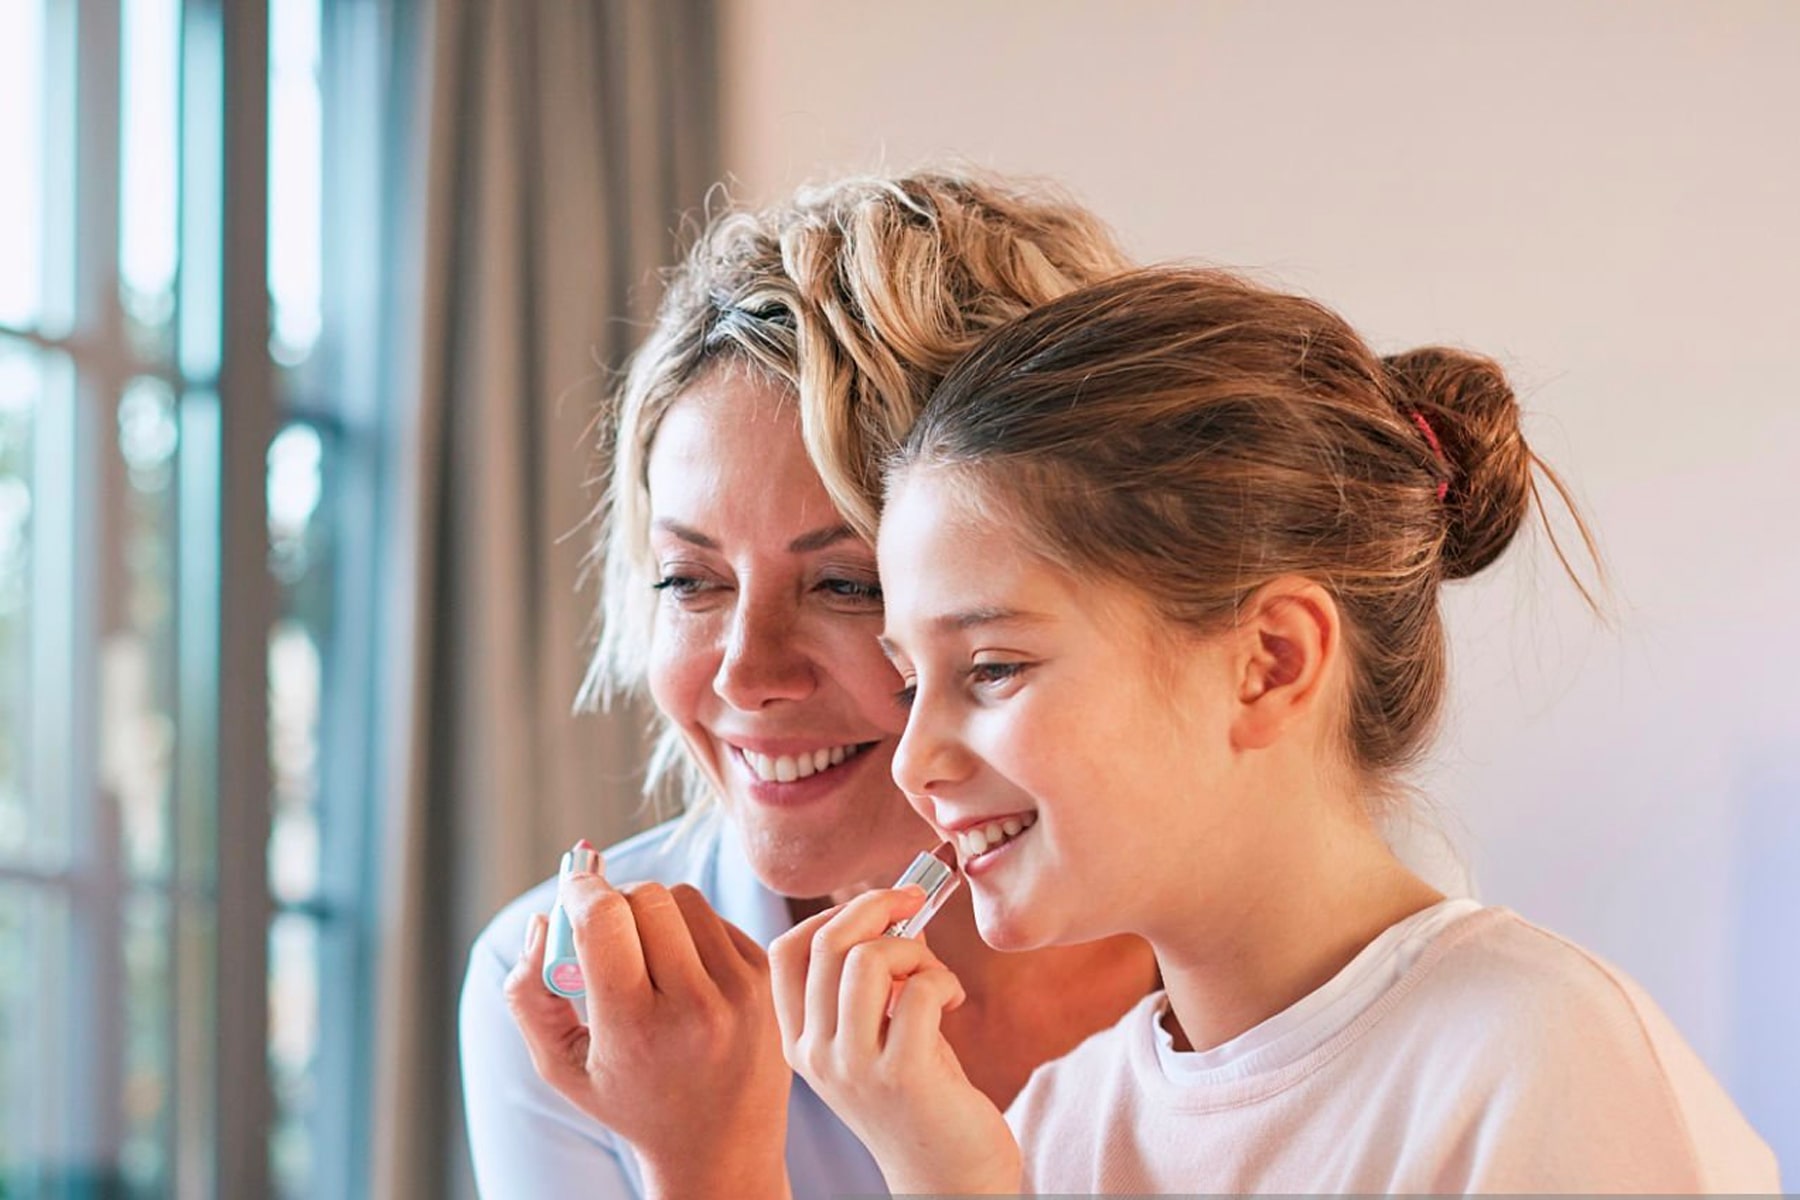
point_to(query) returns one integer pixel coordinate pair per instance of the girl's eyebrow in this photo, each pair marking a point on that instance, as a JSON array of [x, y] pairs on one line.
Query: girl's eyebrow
[[971, 618]]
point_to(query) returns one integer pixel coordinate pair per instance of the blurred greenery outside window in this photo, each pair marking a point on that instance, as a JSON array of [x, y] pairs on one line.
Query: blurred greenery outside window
[[118, 437]]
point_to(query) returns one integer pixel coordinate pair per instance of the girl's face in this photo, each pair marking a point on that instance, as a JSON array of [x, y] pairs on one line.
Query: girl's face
[[1061, 719], [764, 650]]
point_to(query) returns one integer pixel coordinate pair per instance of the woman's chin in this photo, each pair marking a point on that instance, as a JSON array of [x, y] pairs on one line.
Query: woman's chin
[[802, 867]]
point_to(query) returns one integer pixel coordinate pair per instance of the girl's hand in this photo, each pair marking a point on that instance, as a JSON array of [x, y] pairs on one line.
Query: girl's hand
[[860, 1019], [681, 1054]]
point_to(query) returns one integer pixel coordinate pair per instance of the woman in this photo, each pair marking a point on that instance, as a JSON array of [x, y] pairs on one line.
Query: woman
[[791, 352]]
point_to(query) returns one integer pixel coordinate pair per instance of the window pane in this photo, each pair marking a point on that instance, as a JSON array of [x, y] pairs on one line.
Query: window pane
[[196, 1019], [144, 1164], [35, 1140], [138, 666], [149, 93], [20, 386], [21, 161], [298, 558], [294, 758], [293, 1050], [37, 572], [296, 254]]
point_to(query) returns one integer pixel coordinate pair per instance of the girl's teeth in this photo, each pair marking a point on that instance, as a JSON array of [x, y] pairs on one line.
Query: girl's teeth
[[982, 838]]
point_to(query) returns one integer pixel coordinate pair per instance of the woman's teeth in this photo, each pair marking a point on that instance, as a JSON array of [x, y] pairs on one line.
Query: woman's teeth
[[786, 768], [980, 839]]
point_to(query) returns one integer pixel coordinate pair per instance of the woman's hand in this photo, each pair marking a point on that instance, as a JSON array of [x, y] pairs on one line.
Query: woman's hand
[[860, 1020], [681, 1055]]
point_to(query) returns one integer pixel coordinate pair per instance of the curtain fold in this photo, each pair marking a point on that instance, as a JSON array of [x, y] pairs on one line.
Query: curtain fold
[[566, 139]]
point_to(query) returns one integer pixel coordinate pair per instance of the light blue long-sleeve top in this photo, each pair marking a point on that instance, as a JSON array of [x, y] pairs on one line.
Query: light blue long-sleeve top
[[528, 1142]]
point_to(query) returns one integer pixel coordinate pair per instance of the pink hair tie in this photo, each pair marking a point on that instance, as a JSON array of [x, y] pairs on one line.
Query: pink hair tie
[[1437, 448]]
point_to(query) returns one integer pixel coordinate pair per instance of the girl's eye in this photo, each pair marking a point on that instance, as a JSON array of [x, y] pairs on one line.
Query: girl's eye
[[904, 697], [996, 672]]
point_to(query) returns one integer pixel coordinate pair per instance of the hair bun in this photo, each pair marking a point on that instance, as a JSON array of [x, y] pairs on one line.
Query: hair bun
[[1472, 410]]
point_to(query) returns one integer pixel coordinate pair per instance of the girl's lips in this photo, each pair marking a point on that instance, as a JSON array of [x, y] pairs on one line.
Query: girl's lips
[[799, 792], [993, 857]]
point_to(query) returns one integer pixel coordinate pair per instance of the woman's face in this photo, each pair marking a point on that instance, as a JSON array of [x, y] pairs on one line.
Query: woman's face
[[764, 650], [1072, 746]]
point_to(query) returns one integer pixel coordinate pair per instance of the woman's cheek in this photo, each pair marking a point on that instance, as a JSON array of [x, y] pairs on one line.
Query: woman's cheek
[[680, 668]]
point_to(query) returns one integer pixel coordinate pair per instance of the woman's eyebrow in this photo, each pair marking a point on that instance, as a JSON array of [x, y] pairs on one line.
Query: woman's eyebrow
[[818, 539], [806, 543], [685, 532]]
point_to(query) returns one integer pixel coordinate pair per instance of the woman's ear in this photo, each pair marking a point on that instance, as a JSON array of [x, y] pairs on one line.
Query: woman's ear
[[1289, 642]]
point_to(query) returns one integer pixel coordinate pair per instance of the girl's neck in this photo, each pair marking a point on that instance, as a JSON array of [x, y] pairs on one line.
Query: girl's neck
[[1311, 908]]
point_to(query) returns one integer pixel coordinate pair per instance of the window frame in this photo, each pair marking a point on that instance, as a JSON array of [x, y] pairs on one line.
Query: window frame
[[230, 402]]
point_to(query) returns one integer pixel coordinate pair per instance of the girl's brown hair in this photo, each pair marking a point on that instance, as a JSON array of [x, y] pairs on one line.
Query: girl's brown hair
[[858, 294], [1196, 436]]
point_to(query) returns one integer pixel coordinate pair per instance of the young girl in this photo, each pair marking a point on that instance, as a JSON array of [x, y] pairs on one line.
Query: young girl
[[1161, 564]]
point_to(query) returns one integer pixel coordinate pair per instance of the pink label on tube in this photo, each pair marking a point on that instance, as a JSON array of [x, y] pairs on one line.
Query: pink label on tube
[[567, 976]]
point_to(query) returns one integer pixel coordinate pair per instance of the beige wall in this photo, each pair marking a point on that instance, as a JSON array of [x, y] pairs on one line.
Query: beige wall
[[1607, 196]]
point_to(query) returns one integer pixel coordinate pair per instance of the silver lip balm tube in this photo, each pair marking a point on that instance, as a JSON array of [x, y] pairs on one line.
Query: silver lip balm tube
[[562, 970], [936, 872]]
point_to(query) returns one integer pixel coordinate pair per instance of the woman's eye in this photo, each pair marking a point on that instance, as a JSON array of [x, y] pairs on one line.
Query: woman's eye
[[862, 590], [682, 587]]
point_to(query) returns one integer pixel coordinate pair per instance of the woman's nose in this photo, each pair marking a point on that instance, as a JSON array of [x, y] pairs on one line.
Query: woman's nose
[[764, 659]]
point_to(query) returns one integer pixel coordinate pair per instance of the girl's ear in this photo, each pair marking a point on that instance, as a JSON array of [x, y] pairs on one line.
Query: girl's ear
[[1289, 642]]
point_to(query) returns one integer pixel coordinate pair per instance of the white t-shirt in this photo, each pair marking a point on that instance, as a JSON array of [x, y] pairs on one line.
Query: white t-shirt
[[1464, 1050], [527, 1141]]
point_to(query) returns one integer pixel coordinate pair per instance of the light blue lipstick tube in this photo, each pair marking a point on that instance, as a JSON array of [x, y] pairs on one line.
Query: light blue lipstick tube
[[562, 970]]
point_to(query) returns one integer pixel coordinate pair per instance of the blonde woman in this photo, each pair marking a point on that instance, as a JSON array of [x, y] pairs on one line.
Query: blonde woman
[[793, 348]]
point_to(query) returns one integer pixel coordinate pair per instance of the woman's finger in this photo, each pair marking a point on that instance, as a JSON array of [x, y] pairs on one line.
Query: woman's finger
[[747, 947], [608, 949], [871, 971], [865, 917], [554, 1036], [917, 1025], [707, 931], [669, 953]]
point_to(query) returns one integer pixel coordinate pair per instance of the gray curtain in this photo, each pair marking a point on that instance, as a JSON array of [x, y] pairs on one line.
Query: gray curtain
[[565, 141]]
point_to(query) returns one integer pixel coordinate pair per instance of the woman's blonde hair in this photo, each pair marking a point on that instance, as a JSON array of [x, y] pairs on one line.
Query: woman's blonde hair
[[858, 295]]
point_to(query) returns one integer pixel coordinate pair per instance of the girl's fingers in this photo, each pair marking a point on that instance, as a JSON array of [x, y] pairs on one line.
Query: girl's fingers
[[789, 963], [862, 919], [916, 1028], [871, 972]]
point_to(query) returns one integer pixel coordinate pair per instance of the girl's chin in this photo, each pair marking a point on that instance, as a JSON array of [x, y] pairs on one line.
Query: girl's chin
[[1006, 928]]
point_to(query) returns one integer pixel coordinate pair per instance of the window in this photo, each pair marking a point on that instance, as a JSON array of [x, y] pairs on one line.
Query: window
[[191, 371]]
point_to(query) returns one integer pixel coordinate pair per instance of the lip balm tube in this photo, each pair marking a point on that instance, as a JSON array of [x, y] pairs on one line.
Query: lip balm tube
[[562, 970], [935, 872]]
